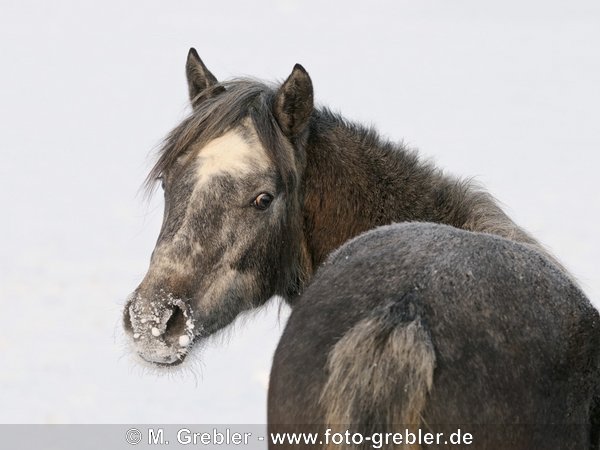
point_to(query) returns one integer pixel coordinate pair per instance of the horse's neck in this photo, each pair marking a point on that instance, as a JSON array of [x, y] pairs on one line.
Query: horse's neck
[[356, 182]]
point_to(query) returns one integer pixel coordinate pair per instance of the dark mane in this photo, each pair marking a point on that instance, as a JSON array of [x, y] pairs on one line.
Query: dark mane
[[219, 109]]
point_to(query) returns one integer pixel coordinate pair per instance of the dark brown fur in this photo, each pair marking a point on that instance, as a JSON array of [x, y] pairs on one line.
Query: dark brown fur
[[355, 181]]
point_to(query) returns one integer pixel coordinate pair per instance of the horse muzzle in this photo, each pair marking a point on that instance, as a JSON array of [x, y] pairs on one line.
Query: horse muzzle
[[161, 329]]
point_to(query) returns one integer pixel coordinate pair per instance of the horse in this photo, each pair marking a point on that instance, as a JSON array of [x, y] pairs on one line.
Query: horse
[[425, 328], [260, 186]]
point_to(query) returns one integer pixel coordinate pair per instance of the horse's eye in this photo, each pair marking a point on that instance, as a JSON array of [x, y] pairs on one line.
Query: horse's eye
[[262, 201]]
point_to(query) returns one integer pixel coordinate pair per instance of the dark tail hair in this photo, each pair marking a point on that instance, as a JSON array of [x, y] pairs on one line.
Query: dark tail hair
[[388, 355]]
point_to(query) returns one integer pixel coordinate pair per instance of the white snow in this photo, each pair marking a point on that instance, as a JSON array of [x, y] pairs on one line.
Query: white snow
[[156, 332], [184, 340], [504, 91]]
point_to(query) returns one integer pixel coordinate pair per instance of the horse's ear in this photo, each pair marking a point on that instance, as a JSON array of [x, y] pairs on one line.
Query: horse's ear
[[294, 102], [199, 78]]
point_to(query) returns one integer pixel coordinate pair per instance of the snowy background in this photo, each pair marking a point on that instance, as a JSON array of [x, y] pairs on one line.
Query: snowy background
[[508, 92]]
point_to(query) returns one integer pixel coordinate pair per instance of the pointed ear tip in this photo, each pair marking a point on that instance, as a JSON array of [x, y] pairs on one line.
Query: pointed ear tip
[[192, 53], [300, 68]]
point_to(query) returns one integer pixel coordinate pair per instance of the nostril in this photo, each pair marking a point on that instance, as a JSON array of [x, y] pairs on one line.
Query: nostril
[[161, 329], [127, 325], [176, 326]]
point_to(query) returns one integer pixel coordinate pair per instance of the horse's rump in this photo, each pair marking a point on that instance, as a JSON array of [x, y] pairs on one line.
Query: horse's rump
[[512, 342]]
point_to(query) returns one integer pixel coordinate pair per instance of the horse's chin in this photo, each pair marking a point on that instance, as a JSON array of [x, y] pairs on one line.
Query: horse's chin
[[164, 365], [165, 358]]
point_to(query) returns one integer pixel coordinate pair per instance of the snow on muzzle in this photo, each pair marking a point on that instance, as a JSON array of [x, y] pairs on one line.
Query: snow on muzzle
[[162, 329]]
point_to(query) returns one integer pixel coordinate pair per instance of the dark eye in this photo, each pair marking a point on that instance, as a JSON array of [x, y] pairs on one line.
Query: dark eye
[[262, 201]]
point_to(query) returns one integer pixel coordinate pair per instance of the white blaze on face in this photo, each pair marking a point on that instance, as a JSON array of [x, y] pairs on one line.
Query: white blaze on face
[[233, 153]]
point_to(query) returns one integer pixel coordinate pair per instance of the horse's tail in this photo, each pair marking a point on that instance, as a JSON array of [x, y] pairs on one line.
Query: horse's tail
[[380, 373]]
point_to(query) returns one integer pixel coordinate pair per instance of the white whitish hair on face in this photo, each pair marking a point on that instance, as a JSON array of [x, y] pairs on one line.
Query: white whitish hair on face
[[235, 153]]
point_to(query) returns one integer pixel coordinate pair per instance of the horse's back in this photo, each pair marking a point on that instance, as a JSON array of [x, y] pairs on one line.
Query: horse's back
[[468, 328]]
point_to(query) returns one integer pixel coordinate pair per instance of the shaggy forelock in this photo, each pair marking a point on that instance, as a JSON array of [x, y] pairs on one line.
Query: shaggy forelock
[[219, 109]]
